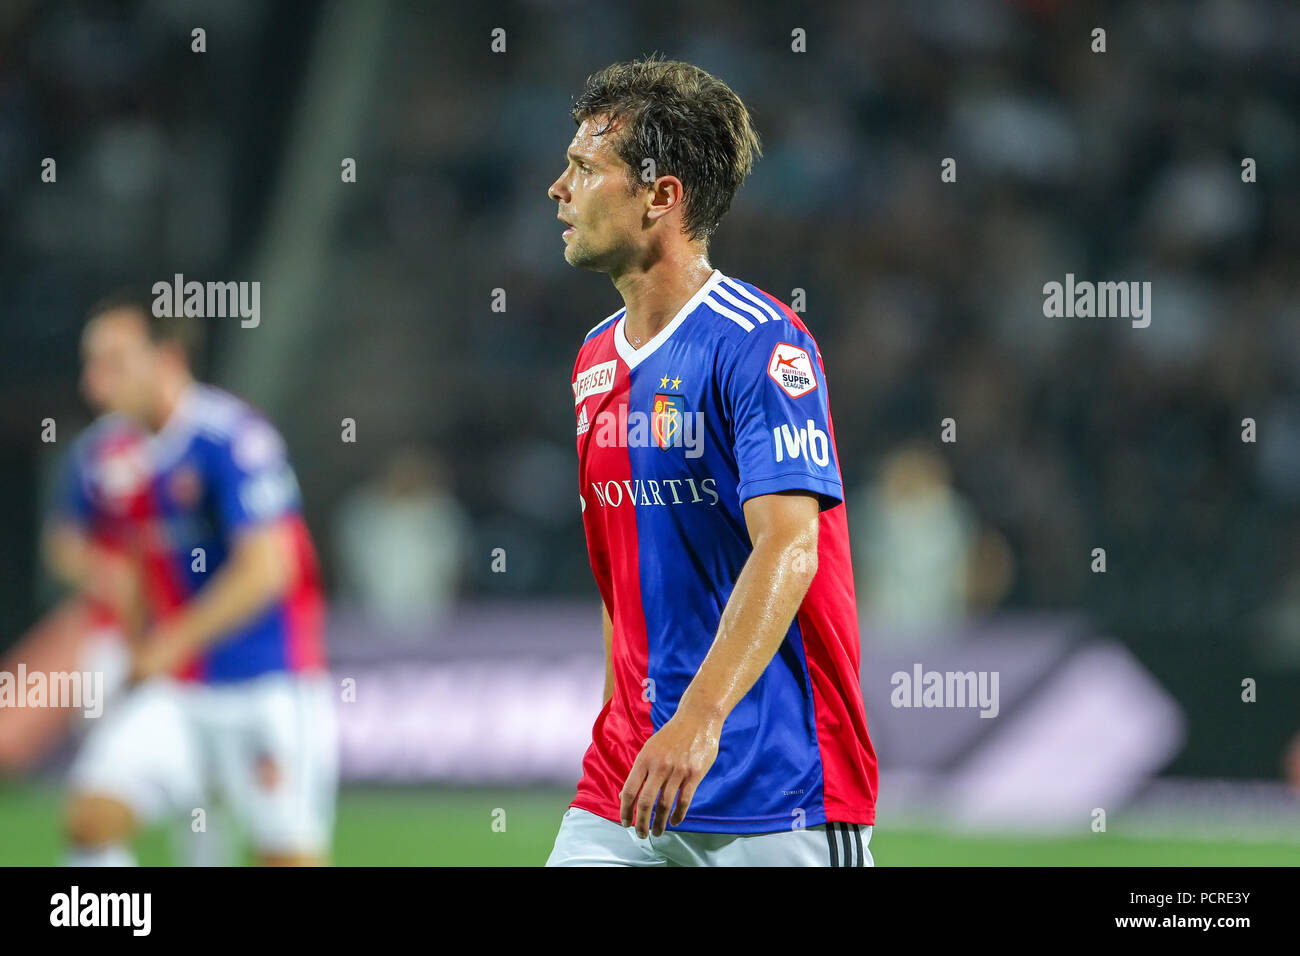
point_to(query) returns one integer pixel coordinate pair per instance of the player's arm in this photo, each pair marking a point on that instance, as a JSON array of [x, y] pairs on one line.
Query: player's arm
[[257, 574], [66, 544], [98, 573], [255, 499], [767, 595], [608, 626], [82, 560], [65, 547], [771, 586]]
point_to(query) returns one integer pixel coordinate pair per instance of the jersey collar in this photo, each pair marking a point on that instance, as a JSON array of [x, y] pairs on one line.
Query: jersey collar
[[634, 357], [170, 441]]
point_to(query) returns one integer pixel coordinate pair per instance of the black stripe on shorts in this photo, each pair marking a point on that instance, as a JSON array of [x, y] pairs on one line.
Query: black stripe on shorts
[[830, 840], [841, 850]]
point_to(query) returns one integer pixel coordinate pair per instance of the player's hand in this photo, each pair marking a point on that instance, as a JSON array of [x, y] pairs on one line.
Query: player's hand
[[156, 656], [670, 766]]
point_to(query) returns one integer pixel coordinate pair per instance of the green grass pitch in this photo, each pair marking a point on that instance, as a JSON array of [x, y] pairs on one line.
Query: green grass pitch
[[437, 826]]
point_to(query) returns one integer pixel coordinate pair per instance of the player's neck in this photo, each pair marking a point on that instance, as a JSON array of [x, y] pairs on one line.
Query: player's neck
[[169, 401], [653, 296]]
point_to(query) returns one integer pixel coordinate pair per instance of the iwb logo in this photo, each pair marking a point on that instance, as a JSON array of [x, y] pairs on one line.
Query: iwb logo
[[809, 442]]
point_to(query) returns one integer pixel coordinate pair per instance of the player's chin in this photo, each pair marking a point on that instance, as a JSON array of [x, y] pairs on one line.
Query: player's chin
[[580, 258]]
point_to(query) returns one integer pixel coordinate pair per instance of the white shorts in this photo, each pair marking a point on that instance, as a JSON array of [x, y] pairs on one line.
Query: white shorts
[[271, 743], [587, 839], [141, 752], [268, 745]]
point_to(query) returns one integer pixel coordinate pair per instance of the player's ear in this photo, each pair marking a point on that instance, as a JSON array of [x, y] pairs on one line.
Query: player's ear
[[664, 195]]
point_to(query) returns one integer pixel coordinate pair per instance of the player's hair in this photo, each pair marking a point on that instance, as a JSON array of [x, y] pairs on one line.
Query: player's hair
[[183, 331], [690, 123]]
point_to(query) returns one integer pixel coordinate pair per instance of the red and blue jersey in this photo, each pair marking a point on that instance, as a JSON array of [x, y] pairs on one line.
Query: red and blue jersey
[[99, 493], [178, 500], [727, 402]]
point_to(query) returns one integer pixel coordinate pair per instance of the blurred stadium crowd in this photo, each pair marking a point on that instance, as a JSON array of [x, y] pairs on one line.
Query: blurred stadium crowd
[[926, 297]]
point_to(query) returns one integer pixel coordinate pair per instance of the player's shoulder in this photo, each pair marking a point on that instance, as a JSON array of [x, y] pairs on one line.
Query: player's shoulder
[[591, 342], [235, 427], [111, 426], [743, 317], [214, 411], [606, 323], [219, 414], [109, 432]]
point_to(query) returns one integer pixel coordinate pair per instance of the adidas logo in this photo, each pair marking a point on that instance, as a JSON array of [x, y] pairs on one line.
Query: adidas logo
[[583, 424]]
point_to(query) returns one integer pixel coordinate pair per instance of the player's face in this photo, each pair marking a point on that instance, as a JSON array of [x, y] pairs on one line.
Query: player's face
[[119, 364], [603, 214]]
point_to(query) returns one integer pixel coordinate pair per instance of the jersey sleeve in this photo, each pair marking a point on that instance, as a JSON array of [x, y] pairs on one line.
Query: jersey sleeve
[[776, 392], [71, 502], [252, 482]]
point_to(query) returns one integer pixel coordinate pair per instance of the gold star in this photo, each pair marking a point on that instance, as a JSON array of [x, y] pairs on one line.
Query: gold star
[[676, 381], [663, 382]]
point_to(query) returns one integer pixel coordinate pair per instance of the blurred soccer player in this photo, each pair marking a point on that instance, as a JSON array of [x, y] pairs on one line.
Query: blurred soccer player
[[136, 759], [140, 742], [733, 730], [225, 577]]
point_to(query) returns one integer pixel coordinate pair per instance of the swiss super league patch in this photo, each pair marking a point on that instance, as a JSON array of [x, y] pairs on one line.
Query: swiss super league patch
[[792, 368]]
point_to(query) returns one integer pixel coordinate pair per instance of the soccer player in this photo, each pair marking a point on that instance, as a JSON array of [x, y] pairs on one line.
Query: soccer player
[[733, 730], [136, 759], [207, 507]]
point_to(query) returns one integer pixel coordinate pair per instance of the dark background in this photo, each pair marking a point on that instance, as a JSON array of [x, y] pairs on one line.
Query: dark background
[[925, 296]]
